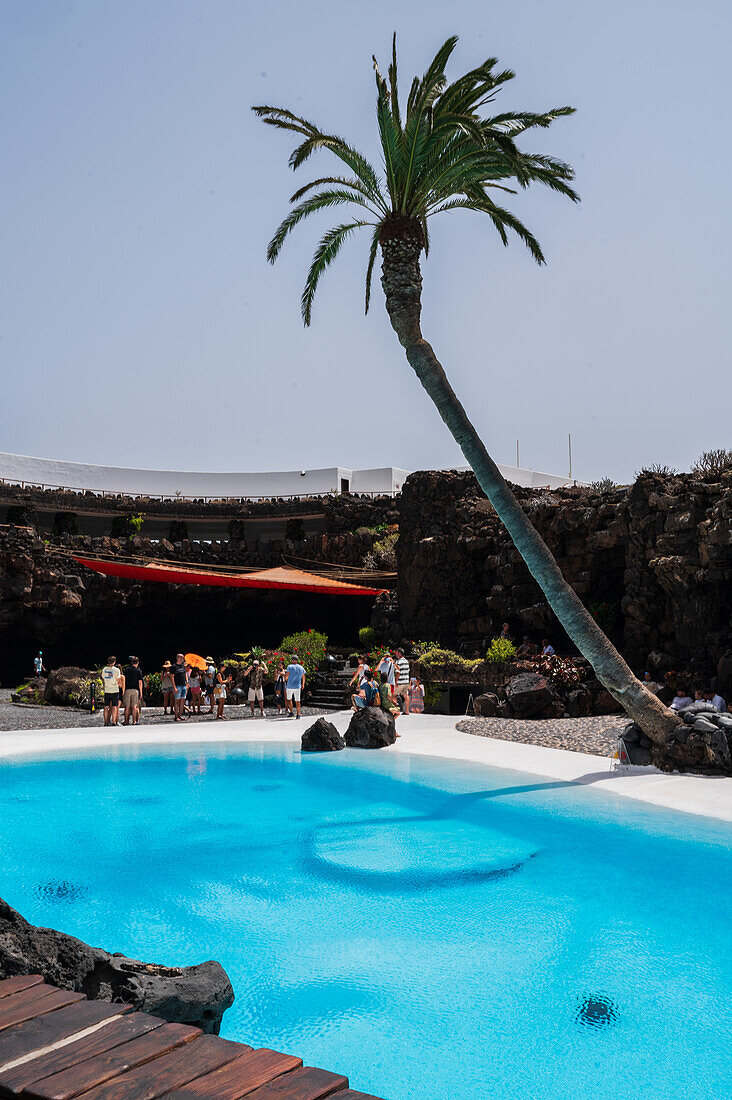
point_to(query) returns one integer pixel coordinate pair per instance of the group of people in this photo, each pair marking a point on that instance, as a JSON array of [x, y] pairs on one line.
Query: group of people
[[682, 699], [389, 686], [186, 688], [125, 684], [527, 647]]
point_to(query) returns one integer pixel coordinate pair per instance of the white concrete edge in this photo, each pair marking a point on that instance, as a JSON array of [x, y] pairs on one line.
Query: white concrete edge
[[430, 735]]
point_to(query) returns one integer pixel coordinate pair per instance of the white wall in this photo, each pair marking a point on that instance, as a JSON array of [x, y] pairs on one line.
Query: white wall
[[120, 479]]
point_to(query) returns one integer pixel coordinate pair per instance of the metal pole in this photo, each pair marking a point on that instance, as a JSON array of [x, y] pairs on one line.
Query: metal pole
[[517, 455], [570, 455]]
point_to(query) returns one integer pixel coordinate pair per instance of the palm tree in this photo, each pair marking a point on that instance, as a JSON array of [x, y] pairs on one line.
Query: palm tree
[[442, 154]]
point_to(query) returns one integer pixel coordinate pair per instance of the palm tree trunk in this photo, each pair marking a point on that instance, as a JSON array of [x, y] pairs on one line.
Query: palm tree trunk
[[402, 283]]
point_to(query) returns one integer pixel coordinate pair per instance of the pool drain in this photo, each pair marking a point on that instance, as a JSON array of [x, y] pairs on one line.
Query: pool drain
[[59, 890], [597, 1011]]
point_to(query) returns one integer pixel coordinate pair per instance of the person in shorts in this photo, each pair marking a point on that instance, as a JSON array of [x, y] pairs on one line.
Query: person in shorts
[[256, 672], [369, 694], [194, 684], [113, 681], [180, 680], [222, 682], [401, 666], [295, 684], [132, 697]]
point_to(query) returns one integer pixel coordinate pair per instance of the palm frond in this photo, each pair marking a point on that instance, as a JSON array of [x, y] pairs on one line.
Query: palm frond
[[373, 250], [325, 253], [322, 201]]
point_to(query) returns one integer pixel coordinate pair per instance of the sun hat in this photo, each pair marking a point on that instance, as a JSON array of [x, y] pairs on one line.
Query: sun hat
[[167, 664], [209, 659]]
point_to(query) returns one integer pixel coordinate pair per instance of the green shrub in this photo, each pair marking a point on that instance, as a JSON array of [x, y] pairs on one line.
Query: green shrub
[[367, 637], [153, 693], [126, 526], [432, 698], [500, 651], [434, 658], [385, 549], [309, 646]]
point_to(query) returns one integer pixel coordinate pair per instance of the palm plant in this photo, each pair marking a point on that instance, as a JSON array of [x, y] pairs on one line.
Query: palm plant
[[444, 153]]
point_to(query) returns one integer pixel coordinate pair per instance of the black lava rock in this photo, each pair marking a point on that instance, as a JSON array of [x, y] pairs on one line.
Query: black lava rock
[[322, 736]]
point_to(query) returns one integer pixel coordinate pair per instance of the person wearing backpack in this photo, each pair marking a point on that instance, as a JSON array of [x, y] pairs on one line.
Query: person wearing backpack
[[369, 695]]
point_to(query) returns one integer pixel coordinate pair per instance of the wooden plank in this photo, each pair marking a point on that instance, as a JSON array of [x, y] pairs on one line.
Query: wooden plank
[[24, 996], [240, 1077], [168, 1072], [349, 1094], [22, 1039], [106, 1038], [306, 1083], [83, 1077], [58, 998], [20, 981]]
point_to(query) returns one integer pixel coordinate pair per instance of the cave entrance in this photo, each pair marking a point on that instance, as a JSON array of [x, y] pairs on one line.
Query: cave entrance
[[156, 621]]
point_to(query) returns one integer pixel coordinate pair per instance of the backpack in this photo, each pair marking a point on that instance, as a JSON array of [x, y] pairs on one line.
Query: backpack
[[371, 693]]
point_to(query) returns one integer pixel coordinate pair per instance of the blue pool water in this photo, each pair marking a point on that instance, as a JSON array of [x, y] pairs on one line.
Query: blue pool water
[[434, 930]]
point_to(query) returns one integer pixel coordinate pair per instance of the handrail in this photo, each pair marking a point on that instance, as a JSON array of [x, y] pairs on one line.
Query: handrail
[[178, 498]]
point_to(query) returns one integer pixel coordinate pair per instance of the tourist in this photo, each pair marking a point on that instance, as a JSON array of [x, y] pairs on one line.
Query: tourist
[[113, 681], [387, 673], [416, 696], [132, 697], [180, 680], [402, 679], [220, 686], [295, 684], [209, 681], [279, 687], [681, 700], [368, 695], [716, 700], [38, 664], [527, 648], [547, 649], [194, 686], [256, 672], [359, 675], [505, 632], [167, 687]]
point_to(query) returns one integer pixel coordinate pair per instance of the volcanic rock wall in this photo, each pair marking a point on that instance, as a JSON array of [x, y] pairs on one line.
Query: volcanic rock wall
[[653, 562]]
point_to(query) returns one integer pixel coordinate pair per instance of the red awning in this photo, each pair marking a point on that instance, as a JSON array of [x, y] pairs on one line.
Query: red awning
[[282, 577]]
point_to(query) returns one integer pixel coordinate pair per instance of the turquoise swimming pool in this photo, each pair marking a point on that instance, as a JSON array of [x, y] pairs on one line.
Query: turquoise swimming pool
[[432, 929]]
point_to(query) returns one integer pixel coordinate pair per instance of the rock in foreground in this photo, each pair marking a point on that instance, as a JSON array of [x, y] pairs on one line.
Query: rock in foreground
[[197, 995], [371, 728], [322, 736], [528, 694]]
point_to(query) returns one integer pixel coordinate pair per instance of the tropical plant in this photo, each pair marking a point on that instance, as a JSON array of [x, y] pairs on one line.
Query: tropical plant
[[122, 526], [366, 637], [712, 463], [500, 651], [433, 658], [442, 152], [308, 644]]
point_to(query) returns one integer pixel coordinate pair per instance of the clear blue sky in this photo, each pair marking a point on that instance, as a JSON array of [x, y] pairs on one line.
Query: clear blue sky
[[141, 325]]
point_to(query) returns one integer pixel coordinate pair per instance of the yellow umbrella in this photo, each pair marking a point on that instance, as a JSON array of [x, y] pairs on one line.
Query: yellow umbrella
[[195, 661]]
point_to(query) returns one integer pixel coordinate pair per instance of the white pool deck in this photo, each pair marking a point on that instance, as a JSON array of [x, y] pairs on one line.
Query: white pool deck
[[426, 735]]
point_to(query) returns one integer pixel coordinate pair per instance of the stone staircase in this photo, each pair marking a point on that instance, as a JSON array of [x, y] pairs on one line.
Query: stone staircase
[[330, 692]]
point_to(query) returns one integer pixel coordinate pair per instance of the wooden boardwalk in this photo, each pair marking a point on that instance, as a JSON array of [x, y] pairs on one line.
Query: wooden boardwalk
[[56, 1045]]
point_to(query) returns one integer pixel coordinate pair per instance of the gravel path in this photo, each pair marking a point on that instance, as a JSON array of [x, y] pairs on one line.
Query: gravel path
[[596, 735], [14, 717]]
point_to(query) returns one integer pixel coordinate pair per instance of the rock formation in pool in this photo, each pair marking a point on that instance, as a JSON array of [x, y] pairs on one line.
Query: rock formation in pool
[[197, 995]]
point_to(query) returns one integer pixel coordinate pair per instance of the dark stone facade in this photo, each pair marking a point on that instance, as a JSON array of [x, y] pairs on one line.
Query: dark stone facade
[[653, 562]]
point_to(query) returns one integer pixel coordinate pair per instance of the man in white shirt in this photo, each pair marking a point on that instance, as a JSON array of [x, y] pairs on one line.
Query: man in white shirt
[[681, 700], [547, 649], [113, 681], [716, 700]]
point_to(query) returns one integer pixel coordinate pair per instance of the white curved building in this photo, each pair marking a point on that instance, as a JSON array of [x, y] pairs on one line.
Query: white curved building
[[53, 473]]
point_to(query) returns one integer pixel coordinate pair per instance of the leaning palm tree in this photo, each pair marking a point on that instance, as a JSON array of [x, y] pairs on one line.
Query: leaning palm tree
[[442, 151]]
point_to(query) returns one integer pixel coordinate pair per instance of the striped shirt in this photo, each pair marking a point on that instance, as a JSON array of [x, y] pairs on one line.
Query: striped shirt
[[402, 667]]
